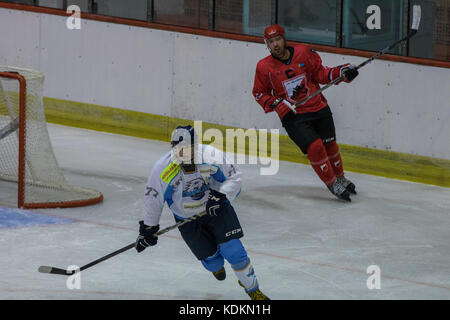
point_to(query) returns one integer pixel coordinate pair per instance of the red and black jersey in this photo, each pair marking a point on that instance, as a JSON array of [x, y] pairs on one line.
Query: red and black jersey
[[303, 71]]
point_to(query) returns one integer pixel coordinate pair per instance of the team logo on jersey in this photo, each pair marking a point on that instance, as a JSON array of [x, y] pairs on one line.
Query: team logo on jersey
[[296, 88], [195, 189], [258, 96], [301, 65]]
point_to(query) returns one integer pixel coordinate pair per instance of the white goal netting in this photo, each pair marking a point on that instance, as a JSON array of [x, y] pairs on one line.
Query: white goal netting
[[43, 183]]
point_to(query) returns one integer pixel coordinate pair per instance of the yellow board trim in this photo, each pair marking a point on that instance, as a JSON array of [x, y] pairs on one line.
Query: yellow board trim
[[383, 163]]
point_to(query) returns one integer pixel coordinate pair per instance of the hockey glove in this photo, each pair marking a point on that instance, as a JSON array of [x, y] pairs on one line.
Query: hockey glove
[[280, 106], [347, 70], [349, 73], [216, 200], [146, 236]]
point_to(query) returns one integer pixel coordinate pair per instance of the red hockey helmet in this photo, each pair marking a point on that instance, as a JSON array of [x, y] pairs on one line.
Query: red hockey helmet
[[273, 31]]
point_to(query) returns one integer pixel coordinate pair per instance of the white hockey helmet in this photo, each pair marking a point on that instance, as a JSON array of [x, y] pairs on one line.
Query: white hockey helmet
[[184, 142]]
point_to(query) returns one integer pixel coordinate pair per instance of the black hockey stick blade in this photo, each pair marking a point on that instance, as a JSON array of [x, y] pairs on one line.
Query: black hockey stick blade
[[54, 270], [48, 269]]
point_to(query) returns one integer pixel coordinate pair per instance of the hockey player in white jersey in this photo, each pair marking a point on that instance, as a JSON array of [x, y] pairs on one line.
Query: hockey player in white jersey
[[193, 178]]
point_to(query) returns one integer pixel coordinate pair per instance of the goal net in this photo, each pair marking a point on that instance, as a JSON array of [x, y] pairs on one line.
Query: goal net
[[26, 156]]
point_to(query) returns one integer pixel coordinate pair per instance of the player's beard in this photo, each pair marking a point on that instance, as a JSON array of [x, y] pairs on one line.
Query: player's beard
[[279, 51]]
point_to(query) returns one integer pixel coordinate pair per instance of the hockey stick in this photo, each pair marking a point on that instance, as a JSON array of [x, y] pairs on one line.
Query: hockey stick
[[9, 128], [412, 32], [64, 272]]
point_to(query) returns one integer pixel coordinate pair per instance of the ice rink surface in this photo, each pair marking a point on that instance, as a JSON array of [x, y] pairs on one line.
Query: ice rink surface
[[304, 243]]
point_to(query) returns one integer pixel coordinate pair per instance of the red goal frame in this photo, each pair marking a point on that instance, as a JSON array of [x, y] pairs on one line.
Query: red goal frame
[[21, 153]]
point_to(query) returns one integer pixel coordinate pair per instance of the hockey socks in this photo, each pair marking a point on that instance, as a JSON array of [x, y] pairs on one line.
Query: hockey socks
[[246, 275], [317, 155], [234, 252], [335, 158]]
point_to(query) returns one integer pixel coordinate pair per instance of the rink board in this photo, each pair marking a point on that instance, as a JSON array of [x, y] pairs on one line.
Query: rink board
[[138, 124]]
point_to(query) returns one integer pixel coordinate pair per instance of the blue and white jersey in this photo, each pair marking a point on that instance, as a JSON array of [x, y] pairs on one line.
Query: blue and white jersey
[[186, 193]]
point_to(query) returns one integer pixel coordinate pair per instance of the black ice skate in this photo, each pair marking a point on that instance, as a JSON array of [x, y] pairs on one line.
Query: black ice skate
[[350, 186], [220, 275], [339, 191]]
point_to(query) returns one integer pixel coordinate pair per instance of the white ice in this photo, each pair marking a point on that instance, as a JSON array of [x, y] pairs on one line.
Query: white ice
[[304, 243]]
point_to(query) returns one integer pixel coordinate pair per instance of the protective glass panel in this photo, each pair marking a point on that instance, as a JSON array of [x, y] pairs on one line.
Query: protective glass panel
[[311, 21], [51, 3], [132, 9], [188, 13], [243, 16], [372, 24], [433, 38]]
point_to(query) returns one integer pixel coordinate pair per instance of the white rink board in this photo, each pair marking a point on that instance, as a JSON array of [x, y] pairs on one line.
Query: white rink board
[[391, 106]]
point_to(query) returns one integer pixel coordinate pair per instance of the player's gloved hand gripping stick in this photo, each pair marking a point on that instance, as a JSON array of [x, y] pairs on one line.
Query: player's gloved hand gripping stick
[[147, 236], [412, 32], [64, 272]]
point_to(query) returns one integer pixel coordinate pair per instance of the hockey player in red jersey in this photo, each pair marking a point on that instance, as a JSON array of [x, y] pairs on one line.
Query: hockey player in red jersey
[[289, 75]]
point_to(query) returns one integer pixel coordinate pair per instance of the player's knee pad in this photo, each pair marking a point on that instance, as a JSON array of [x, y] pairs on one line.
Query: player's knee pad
[[316, 150], [213, 263], [332, 148], [234, 252]]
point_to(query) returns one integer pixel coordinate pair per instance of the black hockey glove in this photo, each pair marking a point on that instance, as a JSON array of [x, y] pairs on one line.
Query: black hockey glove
[[146, 236], [216, 200], [350, 73]]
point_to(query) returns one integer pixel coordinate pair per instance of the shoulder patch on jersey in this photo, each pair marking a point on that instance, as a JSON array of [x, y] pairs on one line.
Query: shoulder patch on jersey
[[170, 172]]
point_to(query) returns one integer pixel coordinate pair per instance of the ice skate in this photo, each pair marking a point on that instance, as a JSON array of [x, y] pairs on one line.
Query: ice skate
[[255, 294], [350, 186], [339, 190], [220, 275]]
